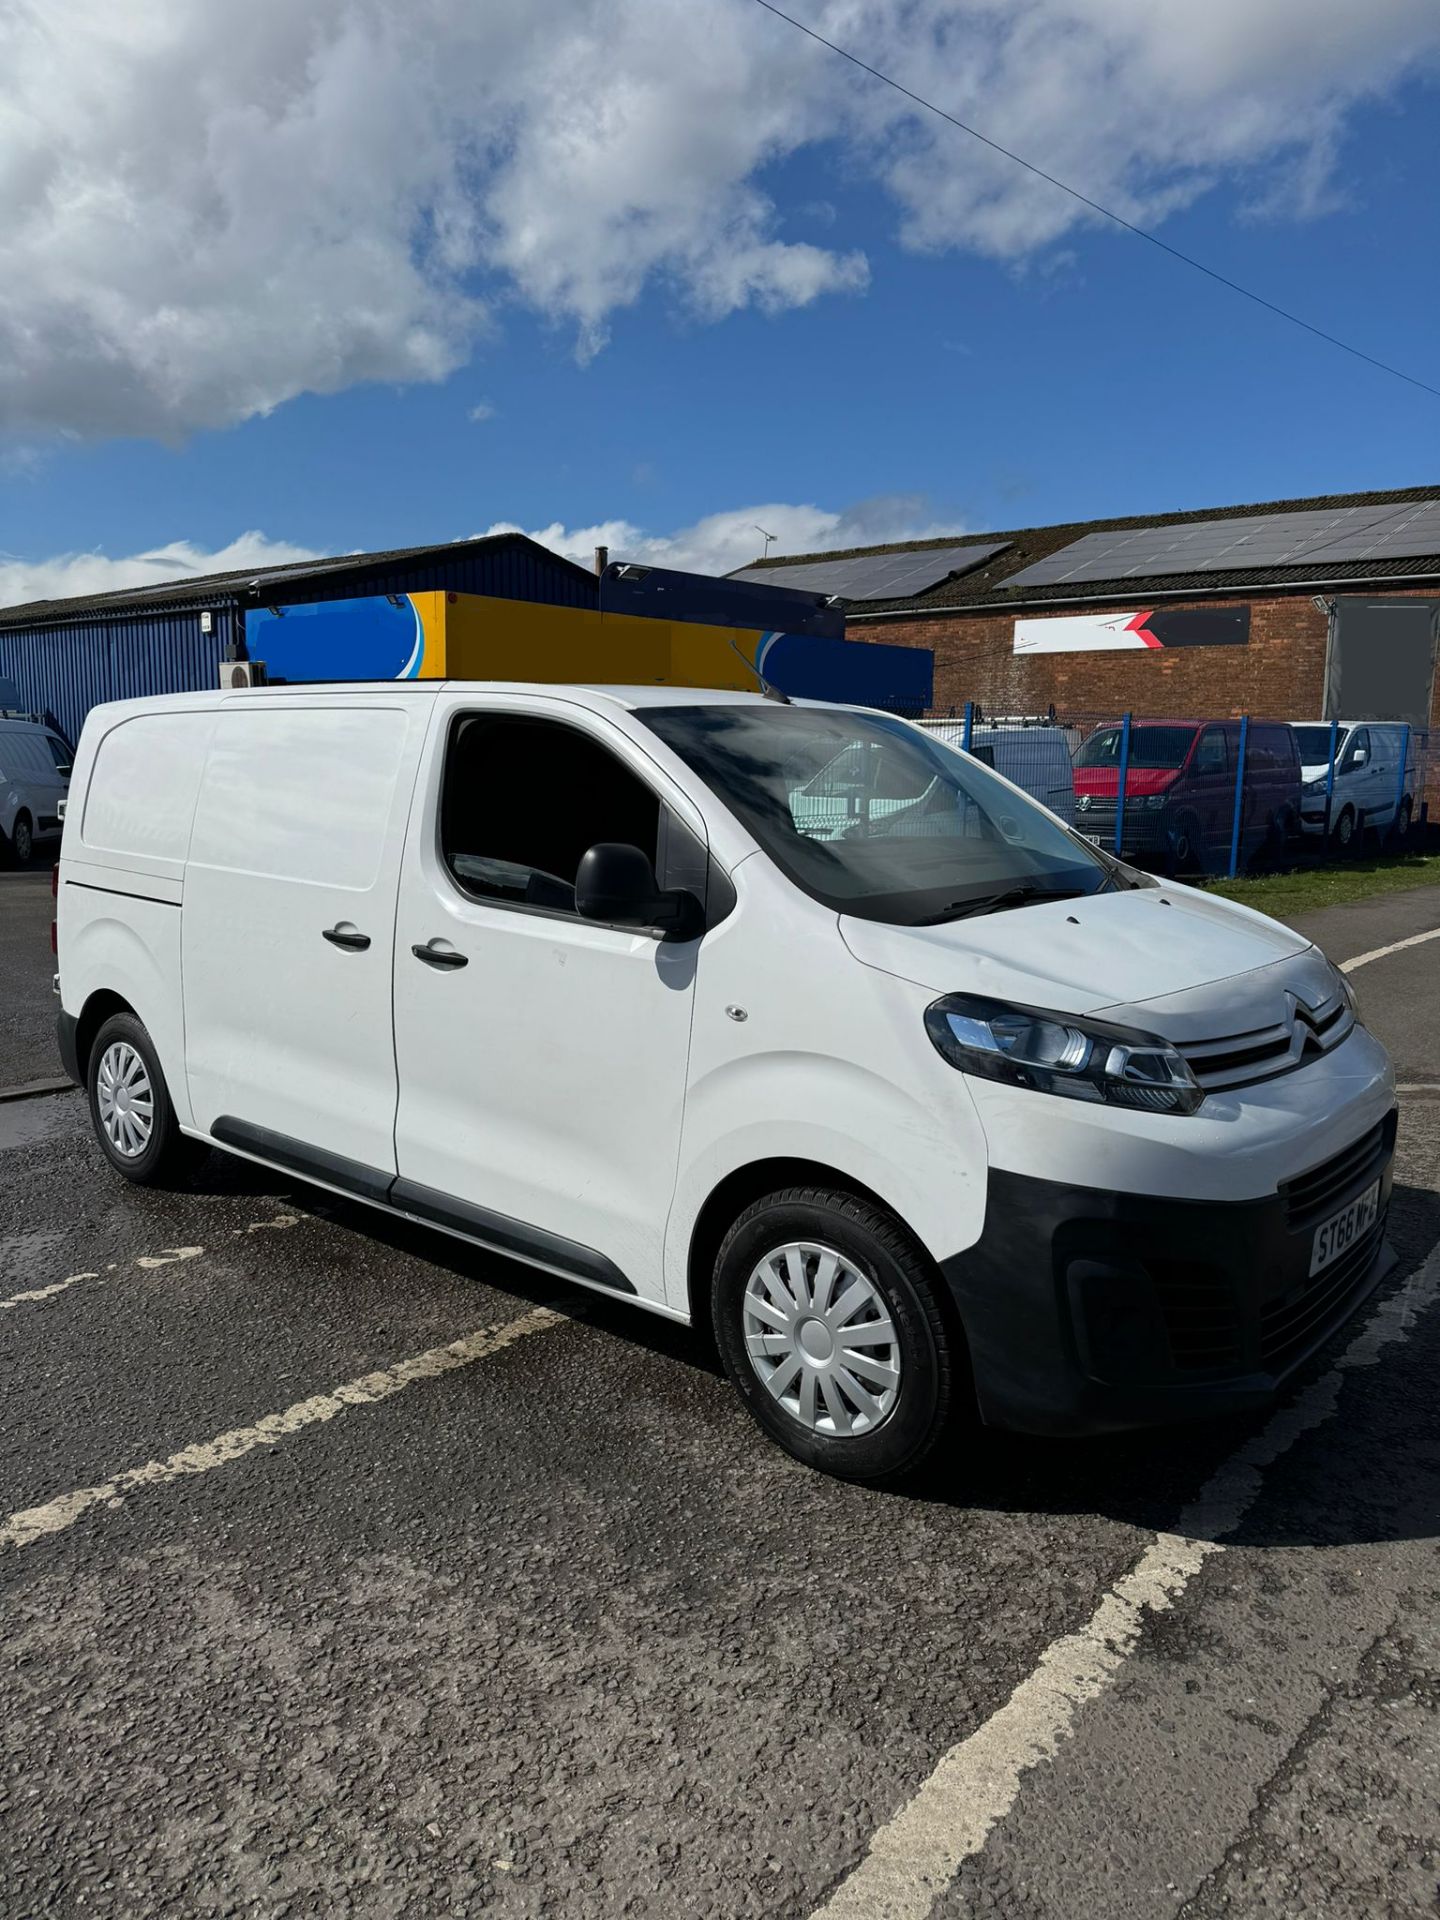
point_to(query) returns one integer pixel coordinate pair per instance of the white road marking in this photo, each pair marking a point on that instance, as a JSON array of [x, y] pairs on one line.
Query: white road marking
[[1396, 946], [38, 1523], [46, 1293], [915, 1855], [147, 1262]]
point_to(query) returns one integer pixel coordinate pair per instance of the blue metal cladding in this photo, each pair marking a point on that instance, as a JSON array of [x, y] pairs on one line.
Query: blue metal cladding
[[866, 673], [518, 572], [63, 671], [658, 593]]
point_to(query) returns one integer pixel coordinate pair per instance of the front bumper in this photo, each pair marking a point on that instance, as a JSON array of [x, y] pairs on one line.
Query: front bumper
[[1146, 830], [1088, 1311]]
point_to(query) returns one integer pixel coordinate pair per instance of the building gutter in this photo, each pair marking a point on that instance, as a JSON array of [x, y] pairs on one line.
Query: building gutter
[[1268, 588]]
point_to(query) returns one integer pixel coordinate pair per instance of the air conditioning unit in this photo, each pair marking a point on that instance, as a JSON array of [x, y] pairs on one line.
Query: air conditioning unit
[[242, 673]]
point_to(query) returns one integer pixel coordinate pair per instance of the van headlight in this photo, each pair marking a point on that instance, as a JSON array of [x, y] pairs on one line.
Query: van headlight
[[1057, 1053], [1348, 994]]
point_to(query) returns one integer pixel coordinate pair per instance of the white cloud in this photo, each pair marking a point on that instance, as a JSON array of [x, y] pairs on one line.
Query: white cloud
[[723, 541], [717, 544], [482, 412], [69, 574], [205, 210]]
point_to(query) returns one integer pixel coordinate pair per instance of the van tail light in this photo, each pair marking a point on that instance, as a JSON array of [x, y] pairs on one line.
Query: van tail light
[[54, 918]]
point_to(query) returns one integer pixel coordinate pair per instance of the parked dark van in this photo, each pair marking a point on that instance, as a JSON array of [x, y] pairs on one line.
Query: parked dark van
[[1180, 790]]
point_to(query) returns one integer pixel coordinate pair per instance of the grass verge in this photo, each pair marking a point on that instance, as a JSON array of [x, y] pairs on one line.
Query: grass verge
[[1310, 887]]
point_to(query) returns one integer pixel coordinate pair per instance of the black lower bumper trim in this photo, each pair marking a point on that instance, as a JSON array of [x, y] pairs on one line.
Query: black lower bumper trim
[[1089, 1312], [67, 1036]]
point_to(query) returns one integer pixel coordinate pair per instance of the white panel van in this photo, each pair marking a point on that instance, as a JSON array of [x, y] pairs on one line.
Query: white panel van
[[928, 1106], [34, 780], [1369, 790]]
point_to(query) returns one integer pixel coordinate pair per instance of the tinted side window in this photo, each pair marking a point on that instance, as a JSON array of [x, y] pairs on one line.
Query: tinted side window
[[1210, 754], [59, 753], [524, 799]]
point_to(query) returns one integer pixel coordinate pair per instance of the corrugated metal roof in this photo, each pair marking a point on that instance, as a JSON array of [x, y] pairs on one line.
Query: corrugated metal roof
[[987, 585], [510, 565]]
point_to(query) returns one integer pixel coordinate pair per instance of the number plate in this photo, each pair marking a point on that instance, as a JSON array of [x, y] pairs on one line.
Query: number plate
[[1340, 1232], [1095, 839]]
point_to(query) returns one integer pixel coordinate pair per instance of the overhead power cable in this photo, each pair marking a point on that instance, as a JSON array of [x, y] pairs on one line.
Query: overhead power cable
[[1186, 259]]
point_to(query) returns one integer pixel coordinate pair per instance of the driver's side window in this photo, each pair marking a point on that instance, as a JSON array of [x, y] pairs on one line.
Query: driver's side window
[[1357, 750], [524, 798], [1210, 754]]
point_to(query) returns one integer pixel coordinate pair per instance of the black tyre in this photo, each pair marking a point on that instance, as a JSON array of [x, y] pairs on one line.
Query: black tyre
[[22, 840], [130, 1107], [830, 1328], [1186, 845], [1343, 834], [1271, 850], [1400, 826]]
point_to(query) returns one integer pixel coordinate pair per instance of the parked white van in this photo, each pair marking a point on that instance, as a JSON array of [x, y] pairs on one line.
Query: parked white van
[[34, 779], [1038, 758], [943, 1110], [1369, 789]]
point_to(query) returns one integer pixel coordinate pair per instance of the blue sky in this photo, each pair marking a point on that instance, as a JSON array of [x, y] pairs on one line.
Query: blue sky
[[995, 375]]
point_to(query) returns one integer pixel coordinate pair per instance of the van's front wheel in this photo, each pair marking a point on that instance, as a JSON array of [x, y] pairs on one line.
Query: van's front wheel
[[130, 1106], [831, 1332]]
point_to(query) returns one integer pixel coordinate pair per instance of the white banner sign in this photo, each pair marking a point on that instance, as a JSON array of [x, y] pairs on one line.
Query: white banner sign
[[1084, 633]]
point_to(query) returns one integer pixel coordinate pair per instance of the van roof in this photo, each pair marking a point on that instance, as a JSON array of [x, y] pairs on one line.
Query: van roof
[[622, 696], [596, 696]]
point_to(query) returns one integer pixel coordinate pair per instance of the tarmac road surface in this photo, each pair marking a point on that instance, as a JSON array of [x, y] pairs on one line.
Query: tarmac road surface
[[348, 1572]]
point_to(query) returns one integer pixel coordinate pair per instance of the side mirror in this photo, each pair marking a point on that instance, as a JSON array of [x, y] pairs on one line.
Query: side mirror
[[1359, 758], [616, 885]]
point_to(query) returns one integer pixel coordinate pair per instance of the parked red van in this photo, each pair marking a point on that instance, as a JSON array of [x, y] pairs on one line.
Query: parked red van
[[1180, 790]]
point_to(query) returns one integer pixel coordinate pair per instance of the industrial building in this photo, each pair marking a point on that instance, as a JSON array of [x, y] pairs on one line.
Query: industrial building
[[1292, 609], [500, 607]]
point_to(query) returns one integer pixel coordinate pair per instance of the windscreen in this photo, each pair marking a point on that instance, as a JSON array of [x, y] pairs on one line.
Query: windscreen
[[1153, 747], [874, 817], [1314, 743]]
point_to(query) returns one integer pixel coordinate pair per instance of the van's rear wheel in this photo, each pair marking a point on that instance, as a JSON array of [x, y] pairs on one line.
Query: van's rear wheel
[[1400, 826], [130, 1107], [831, 1332]]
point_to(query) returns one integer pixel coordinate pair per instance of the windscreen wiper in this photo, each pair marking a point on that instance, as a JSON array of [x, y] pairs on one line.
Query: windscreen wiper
[[1022, 896]]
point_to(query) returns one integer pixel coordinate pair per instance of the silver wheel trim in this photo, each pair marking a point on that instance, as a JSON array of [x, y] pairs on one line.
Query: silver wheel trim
[[125, 1099], [24, 841], [820, 1338]]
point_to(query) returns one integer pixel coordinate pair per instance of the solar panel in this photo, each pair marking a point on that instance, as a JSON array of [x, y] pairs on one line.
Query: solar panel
[[877, 576], [1318, 534]]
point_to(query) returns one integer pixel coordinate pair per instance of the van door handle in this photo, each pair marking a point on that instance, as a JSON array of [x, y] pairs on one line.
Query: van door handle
[[351, 941], [443, 957]]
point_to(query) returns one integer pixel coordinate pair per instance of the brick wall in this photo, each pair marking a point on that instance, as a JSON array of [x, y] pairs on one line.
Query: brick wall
[[1281, 672]]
